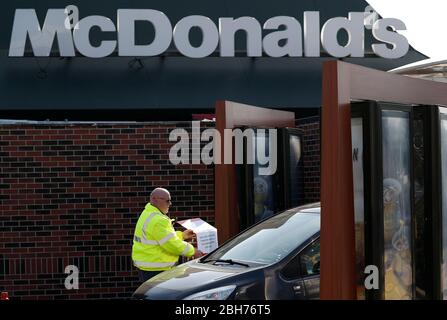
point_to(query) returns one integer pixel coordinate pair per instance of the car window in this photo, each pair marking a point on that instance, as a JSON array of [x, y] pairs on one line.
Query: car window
[[292, 269], [310, 259], [271, 240]]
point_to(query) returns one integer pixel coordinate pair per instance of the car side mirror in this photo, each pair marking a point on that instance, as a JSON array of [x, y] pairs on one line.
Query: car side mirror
[[316, 268]]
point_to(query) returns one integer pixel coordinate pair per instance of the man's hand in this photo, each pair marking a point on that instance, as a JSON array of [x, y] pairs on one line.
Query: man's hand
[[188, 235], [198, 253]]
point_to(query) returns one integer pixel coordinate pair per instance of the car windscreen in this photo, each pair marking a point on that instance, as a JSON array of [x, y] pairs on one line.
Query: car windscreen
[[271, 240]]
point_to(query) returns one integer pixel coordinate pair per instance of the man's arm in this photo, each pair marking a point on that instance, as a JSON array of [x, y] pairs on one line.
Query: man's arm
[[170, 241]]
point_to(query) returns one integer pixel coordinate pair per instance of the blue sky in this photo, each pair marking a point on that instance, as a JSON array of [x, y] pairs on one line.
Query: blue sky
[[426, 23]]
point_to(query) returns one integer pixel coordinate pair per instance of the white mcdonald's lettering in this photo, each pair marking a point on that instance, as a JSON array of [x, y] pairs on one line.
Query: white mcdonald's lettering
[[281, 36]]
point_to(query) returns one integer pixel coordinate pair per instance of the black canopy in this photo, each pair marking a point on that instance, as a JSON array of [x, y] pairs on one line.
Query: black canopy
[[172, 81]]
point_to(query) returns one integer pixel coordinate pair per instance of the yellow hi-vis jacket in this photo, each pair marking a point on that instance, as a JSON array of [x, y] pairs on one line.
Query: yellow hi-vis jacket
[[156, 245]]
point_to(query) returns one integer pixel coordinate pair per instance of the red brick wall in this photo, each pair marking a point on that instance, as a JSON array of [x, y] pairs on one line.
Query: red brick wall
[[71, 194], [311, 157]]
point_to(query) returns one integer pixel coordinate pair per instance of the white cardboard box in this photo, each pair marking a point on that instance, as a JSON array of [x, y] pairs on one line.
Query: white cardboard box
[[206, 233]]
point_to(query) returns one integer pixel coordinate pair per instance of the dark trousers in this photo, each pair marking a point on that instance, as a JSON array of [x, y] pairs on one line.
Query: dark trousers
[[146, 275]]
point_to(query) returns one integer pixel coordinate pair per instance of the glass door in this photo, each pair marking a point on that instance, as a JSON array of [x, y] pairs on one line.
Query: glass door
[[397, 205], [383, 198]]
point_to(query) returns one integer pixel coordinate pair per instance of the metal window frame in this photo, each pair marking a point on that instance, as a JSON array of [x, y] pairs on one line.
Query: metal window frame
[[371, 113]]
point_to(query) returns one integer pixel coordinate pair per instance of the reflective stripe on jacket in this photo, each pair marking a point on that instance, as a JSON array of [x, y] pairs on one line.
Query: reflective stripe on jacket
[[156, 245]]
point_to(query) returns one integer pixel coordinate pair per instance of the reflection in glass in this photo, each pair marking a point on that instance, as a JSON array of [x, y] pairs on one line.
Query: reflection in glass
[[310, 259], [263, 186], [444, 201], [397, 205], [296, 171], [359, 203]]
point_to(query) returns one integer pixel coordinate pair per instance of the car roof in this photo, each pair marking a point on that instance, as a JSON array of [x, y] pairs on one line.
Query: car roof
[[308, 208]]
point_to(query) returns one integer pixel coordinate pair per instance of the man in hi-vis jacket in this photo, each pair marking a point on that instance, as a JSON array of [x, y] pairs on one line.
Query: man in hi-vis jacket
[[156, 245]]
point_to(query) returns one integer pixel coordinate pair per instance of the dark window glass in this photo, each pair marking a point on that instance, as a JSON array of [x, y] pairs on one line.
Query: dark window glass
[[310, 259], [263, 185], [292, 269], [419, 207]]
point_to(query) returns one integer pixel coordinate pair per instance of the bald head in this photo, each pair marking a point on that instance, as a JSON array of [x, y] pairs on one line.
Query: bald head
[[161, 198], [160, 192]]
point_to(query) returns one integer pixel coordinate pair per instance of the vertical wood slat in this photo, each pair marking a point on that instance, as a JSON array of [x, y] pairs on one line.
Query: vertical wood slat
[[337, 222]]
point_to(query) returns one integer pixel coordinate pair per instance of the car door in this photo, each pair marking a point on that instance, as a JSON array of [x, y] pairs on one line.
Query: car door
[[300, 277], [291, 283], [309, 259]]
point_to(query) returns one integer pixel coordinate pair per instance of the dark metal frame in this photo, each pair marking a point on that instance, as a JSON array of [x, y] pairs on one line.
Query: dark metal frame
[[419, 114], [435, 197], [364, 111], [371, 114], [432, 198]]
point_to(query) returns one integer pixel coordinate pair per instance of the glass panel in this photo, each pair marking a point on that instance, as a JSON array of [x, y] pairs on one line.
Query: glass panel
[[292, 269], [359, 203], [296, 171], [310, 260], [444, 201], [397, 205], [263, 186]]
